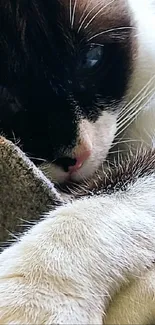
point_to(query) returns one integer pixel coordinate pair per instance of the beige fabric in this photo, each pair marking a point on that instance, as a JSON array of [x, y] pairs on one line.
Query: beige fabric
[[24, 190]]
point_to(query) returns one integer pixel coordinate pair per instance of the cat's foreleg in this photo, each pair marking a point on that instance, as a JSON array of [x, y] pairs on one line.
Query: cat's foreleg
[[66, 268]]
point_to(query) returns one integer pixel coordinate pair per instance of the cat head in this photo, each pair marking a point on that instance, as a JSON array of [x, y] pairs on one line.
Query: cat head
[[65, 67]]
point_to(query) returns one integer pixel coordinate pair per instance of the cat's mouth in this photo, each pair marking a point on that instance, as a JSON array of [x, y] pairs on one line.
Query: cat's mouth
[[71, 173], [82, 170]]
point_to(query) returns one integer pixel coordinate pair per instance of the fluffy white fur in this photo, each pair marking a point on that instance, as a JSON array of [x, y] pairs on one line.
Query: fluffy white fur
[[141, 92], [135, 303], [65, 269], [69, 266]]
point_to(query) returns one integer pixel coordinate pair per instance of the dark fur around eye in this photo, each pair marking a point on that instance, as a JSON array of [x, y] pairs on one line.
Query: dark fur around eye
[[45, 93]]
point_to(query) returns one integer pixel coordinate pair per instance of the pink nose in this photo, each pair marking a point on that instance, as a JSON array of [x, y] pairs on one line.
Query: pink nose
[[79, 161]]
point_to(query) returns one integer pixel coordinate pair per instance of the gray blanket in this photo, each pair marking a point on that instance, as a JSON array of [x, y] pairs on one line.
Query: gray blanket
[[25, 193]]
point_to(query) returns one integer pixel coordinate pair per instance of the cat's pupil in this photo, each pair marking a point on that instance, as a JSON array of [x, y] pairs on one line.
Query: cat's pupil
[[92, 57]]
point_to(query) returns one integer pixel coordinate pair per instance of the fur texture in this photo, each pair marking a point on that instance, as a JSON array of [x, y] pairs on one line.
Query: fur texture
[[84, 76], [65, 71], [135, 302], [68, 267]]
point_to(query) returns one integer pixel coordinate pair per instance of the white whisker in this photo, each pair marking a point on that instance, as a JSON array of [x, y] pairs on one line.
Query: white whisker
[[84, 19], [15, 140], [39, 159], [84, 11], [116, 151], [133, 114], [70, 10], [138, 94], [131, 110], [110, 31], [131, 119], [98, 44], [97, 13], [73, 14], [124, 141]]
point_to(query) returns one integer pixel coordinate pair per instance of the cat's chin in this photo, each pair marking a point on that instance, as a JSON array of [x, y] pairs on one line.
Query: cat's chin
[[57, 175]]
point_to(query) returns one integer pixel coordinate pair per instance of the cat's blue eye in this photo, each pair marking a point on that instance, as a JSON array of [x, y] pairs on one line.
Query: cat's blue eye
[[92, 57]]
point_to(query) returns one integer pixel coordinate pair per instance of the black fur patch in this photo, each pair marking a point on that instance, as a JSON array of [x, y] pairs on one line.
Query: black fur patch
[[46, 93]]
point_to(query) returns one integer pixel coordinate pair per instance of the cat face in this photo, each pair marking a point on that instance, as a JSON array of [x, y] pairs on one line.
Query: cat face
[[65, 67]]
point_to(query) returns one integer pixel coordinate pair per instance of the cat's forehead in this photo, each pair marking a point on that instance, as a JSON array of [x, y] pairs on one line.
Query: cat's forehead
[[95, 15]]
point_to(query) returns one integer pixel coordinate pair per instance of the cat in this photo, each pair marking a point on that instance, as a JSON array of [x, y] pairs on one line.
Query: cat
[[74, 76]]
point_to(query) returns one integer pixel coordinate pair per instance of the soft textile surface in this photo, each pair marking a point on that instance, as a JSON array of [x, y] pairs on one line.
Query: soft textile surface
[[25, 193]]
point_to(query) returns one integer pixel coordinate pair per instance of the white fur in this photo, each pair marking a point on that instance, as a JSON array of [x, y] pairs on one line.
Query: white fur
[[135, 303], [66, 269], [143, 127]]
